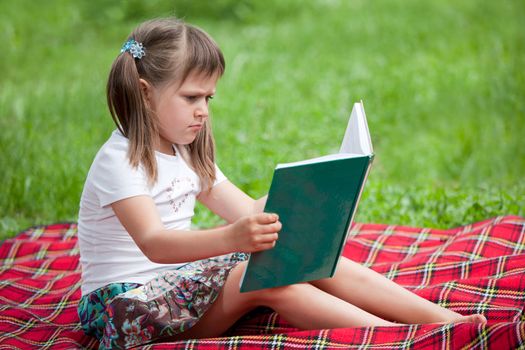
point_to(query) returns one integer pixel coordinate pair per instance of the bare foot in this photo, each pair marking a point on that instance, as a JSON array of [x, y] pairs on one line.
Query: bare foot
[[476, 318]]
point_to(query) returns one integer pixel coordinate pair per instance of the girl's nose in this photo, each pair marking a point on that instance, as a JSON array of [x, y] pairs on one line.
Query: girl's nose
[[202, 110]]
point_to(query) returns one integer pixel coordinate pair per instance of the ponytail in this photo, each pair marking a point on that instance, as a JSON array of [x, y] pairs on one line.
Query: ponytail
[[131, 114]]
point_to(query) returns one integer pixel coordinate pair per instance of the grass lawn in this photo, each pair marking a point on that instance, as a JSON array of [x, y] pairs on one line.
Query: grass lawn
[[442, 82]]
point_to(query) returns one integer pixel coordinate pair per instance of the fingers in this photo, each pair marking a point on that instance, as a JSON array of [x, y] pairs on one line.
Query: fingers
[[271, 228], [264, 246], [268, 223], [266, 241], [269, 237], [266, 218], [258, 232], [268, 228]]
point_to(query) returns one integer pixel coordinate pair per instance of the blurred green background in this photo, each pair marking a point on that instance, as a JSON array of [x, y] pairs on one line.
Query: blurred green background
[[442, 81]]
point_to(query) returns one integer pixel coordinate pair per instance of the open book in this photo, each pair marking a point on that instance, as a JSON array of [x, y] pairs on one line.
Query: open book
[[316, 201]]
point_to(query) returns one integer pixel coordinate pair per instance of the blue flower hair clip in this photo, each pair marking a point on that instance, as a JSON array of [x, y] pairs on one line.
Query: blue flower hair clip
[[134, 48]]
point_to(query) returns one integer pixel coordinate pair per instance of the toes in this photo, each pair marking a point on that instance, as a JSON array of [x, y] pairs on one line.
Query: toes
[[477, 318]]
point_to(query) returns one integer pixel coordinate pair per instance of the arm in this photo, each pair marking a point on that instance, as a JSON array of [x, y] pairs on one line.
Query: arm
[[140, 218], [260, 203], [230, 203]]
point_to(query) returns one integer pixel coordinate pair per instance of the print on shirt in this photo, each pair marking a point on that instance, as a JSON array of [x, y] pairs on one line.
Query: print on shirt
[[175, 192]]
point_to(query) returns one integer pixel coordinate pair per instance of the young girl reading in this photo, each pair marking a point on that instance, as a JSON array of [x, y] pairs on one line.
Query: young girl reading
[[145, 275]]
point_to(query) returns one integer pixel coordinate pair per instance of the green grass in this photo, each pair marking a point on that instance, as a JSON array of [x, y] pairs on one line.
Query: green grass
[[442, 82]]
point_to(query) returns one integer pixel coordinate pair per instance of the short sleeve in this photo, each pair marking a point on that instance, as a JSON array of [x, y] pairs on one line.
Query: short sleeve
[[219, 176], [113, 177]]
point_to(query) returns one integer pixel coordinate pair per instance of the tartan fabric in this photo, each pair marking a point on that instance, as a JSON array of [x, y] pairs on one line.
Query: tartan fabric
[[477, 268]]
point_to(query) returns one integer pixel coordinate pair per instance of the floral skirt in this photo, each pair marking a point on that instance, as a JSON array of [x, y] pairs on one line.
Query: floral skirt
[[123, 315]]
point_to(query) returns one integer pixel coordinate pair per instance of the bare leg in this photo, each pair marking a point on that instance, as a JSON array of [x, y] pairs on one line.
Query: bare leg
[[307, 307], [303, 305], [380, 296]]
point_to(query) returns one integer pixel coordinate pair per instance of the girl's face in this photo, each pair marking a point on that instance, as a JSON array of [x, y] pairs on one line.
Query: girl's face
[[182, 110]]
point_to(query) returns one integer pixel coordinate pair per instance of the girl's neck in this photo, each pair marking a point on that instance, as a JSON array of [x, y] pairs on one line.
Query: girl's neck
[[166, 148]]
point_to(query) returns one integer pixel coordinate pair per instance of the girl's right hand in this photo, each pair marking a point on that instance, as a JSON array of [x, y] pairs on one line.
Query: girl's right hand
[[254, 233]]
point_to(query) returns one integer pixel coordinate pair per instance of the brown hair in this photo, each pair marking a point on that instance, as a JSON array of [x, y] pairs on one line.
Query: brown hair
[[174, 50]]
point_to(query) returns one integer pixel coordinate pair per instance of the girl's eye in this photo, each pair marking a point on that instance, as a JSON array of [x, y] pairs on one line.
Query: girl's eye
[[193, 99]]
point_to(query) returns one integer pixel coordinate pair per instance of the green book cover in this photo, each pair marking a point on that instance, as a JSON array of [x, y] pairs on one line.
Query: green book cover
[[316, 201]]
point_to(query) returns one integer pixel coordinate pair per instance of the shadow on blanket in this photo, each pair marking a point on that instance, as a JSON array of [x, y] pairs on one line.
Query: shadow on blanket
[[478, 268]]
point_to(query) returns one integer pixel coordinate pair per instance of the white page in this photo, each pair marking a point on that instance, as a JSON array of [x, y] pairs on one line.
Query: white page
[[356, 141], [319, 159], [357, 137]]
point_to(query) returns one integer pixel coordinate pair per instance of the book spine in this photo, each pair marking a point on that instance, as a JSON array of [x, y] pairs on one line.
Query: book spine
[[352, 215]]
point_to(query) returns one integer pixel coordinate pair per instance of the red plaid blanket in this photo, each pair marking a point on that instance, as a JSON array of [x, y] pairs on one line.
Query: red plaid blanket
[[477, 268]]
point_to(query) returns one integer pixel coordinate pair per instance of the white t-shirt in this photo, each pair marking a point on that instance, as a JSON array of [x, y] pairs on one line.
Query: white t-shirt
[[108, 254]]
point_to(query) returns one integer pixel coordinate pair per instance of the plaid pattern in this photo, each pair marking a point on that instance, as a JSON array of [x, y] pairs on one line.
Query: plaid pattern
[[478, 268]]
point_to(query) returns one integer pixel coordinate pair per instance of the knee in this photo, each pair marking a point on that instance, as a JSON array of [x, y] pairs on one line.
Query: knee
[[274, 296]]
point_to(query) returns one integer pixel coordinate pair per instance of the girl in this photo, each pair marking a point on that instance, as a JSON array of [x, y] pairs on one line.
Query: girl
[[145, 275]]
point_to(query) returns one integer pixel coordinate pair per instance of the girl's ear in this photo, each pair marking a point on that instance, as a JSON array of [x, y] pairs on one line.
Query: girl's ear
[[147, 92]]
